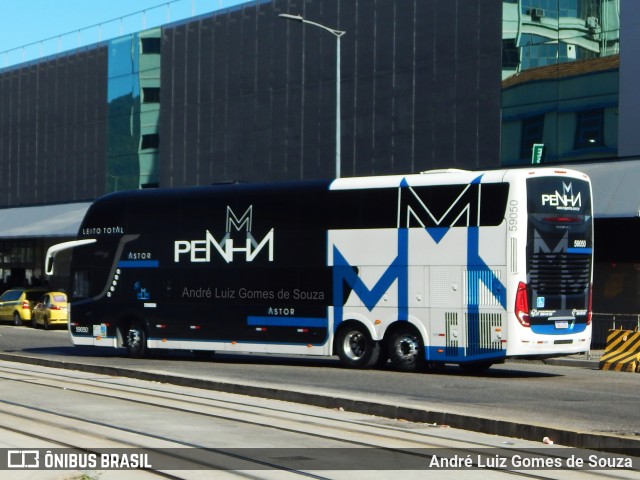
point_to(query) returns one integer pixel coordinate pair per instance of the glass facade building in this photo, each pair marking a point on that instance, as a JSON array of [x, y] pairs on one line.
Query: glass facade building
[[560, 80], [133, 96], [569, 97]]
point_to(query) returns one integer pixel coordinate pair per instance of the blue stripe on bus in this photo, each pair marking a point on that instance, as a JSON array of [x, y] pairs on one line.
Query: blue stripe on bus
[[550, 328], [580, 250], [138, 264], [287, 322], [228, 342], [460, 354]]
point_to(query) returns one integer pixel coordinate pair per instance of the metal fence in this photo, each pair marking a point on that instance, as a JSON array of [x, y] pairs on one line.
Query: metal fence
[[603, 322]]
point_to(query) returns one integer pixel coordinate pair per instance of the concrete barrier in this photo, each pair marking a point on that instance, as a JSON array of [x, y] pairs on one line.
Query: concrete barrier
[[622, 351]]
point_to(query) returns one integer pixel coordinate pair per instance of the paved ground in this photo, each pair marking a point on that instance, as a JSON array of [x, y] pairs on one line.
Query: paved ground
[[590, 360], [511, 423]]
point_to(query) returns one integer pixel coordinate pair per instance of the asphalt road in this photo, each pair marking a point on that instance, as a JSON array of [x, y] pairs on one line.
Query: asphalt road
[[578, 406]]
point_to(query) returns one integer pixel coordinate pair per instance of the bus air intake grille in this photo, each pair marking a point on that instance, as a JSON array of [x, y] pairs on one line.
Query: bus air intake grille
[[481, 334], [452, 335], [551, 273]]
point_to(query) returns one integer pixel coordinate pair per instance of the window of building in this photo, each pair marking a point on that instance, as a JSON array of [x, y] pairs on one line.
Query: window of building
[[537, 51], [150, 94], [150, 45], [532, 132], [149, 141], [510, 53], [568, 8], [589, 128]]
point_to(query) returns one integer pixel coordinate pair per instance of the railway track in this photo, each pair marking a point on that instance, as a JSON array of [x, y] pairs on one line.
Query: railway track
[[185, 433]]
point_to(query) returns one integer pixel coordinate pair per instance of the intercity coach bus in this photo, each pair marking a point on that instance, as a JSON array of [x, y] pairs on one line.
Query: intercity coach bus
[[434, 268]]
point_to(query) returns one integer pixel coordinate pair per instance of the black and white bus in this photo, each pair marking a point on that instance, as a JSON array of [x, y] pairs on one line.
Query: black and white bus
[[441, 267]]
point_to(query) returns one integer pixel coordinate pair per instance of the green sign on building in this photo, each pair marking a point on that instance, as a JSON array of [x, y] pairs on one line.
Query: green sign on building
[[536, 153]]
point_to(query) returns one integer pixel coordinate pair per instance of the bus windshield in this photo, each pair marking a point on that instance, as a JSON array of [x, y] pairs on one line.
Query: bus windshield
[[559, 252]]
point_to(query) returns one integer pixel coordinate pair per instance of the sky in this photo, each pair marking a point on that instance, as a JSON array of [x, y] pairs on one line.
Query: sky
[[32, 29]]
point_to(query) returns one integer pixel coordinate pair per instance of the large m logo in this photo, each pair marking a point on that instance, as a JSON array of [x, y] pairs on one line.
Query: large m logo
[[422, 207], [437, 209], [345, 275]]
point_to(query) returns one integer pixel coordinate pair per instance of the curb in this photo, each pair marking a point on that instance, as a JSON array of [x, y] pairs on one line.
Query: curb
[[591, 441], [590, 361]]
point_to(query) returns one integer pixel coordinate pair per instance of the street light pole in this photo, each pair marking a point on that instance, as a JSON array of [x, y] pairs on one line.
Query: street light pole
[[337, 34]]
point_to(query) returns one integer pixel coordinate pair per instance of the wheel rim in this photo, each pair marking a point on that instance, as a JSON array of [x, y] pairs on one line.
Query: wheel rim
[[355, 345], [134, 339], [407, 348]]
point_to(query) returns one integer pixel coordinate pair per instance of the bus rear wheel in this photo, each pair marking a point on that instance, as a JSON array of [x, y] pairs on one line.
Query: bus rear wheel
[[136, 340], [406, 350], [355, 347]]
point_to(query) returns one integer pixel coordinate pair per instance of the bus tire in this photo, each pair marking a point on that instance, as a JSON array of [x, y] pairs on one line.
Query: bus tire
[[406, 350], [136, 340], [355, 347]]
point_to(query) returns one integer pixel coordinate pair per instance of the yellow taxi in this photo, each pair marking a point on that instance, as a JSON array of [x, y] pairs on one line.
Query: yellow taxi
[[16, 304], [51, 309]]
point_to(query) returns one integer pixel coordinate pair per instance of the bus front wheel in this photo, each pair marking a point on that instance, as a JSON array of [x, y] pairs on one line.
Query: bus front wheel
[[355, 347], [136, 342]]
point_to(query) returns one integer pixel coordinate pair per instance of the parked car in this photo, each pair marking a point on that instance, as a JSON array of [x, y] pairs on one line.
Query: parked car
[[50, 310], [16, 304]]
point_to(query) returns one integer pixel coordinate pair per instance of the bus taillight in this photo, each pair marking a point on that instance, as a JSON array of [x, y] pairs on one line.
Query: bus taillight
[[522, 305]]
